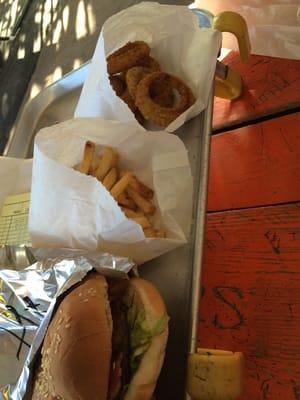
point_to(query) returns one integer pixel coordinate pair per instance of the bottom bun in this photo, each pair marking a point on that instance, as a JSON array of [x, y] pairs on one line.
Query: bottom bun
[[145, 297]]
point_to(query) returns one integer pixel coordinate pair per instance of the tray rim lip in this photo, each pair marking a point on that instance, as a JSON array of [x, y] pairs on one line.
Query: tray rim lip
[[26, 107]]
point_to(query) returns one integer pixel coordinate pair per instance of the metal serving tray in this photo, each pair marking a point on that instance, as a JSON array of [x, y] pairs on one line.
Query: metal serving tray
[[176, 274]]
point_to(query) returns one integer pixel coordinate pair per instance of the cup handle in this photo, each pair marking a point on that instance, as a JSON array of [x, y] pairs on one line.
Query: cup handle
[[231, 87]]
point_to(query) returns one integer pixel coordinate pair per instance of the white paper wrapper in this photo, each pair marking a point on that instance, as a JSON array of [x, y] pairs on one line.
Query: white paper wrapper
[[176, 41], [69, 209], [15, 177], [274, 25]]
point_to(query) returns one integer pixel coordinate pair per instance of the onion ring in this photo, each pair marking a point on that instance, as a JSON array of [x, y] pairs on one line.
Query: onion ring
[[118, 84], [151, 63], [128, 56], [128, 100], [153, 111], [135, 74], [161, 93], [139, 117]]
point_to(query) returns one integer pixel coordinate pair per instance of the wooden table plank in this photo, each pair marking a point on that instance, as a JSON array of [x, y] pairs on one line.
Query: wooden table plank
[[251, 296], [256, 165], [271, 85]]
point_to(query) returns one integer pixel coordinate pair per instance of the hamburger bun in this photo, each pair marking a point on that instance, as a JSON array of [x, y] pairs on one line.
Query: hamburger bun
[[77, 345], [146, 297], [77, 353]]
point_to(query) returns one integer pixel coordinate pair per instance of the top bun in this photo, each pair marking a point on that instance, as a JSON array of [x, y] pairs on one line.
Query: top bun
[[77, 348]]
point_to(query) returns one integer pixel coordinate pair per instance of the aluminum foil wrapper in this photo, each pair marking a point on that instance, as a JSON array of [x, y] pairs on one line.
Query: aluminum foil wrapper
[[31, 280]]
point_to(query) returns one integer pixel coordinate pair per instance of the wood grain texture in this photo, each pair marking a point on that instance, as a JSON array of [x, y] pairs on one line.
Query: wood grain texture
[[251, 296], [270, 85], [256, 165]]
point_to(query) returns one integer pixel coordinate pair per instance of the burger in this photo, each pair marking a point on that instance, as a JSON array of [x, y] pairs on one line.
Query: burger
[[106, 340]]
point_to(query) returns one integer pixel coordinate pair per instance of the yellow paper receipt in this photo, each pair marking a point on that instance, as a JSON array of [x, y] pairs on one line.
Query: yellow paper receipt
[[14, 220]]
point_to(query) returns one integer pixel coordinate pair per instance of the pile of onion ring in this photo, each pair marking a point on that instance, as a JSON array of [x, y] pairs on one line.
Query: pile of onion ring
[[137, 79]]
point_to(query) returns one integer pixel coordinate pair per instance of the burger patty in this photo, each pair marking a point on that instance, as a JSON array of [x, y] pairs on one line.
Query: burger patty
[[120, 338], [120, 362]]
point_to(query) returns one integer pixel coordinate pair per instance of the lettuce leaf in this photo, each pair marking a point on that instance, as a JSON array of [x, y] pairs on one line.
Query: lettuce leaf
[[141, 335]]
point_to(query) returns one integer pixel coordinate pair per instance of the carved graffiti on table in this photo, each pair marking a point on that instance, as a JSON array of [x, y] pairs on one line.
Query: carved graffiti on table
[[265, 389], [221, 293], [296, 390], [274, 241], [276, 85]]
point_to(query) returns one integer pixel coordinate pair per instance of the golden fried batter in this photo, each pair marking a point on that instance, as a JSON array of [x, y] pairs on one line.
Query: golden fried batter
[[128, 56], [156, 113]]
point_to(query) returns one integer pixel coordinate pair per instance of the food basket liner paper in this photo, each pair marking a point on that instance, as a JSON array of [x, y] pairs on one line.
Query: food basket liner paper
[[70, 209], [176, 41], [31, 280]]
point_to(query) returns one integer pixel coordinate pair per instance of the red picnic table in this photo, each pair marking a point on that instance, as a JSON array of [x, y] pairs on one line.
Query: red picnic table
[[251, 273]]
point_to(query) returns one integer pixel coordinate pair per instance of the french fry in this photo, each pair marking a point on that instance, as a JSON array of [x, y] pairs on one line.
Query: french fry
[[94, 166], [108, 161], [160, 233], [126, 201], [139, 187], [88, 155], [150, 232], [132, 214], [110, 179], [121, 185], [143, 221], [141, 202], [76, 167], [143, 189], [133, 196]]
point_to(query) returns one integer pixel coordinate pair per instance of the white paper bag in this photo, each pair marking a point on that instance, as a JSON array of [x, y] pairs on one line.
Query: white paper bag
[[176, 41], [69, 209], [274, 25]]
